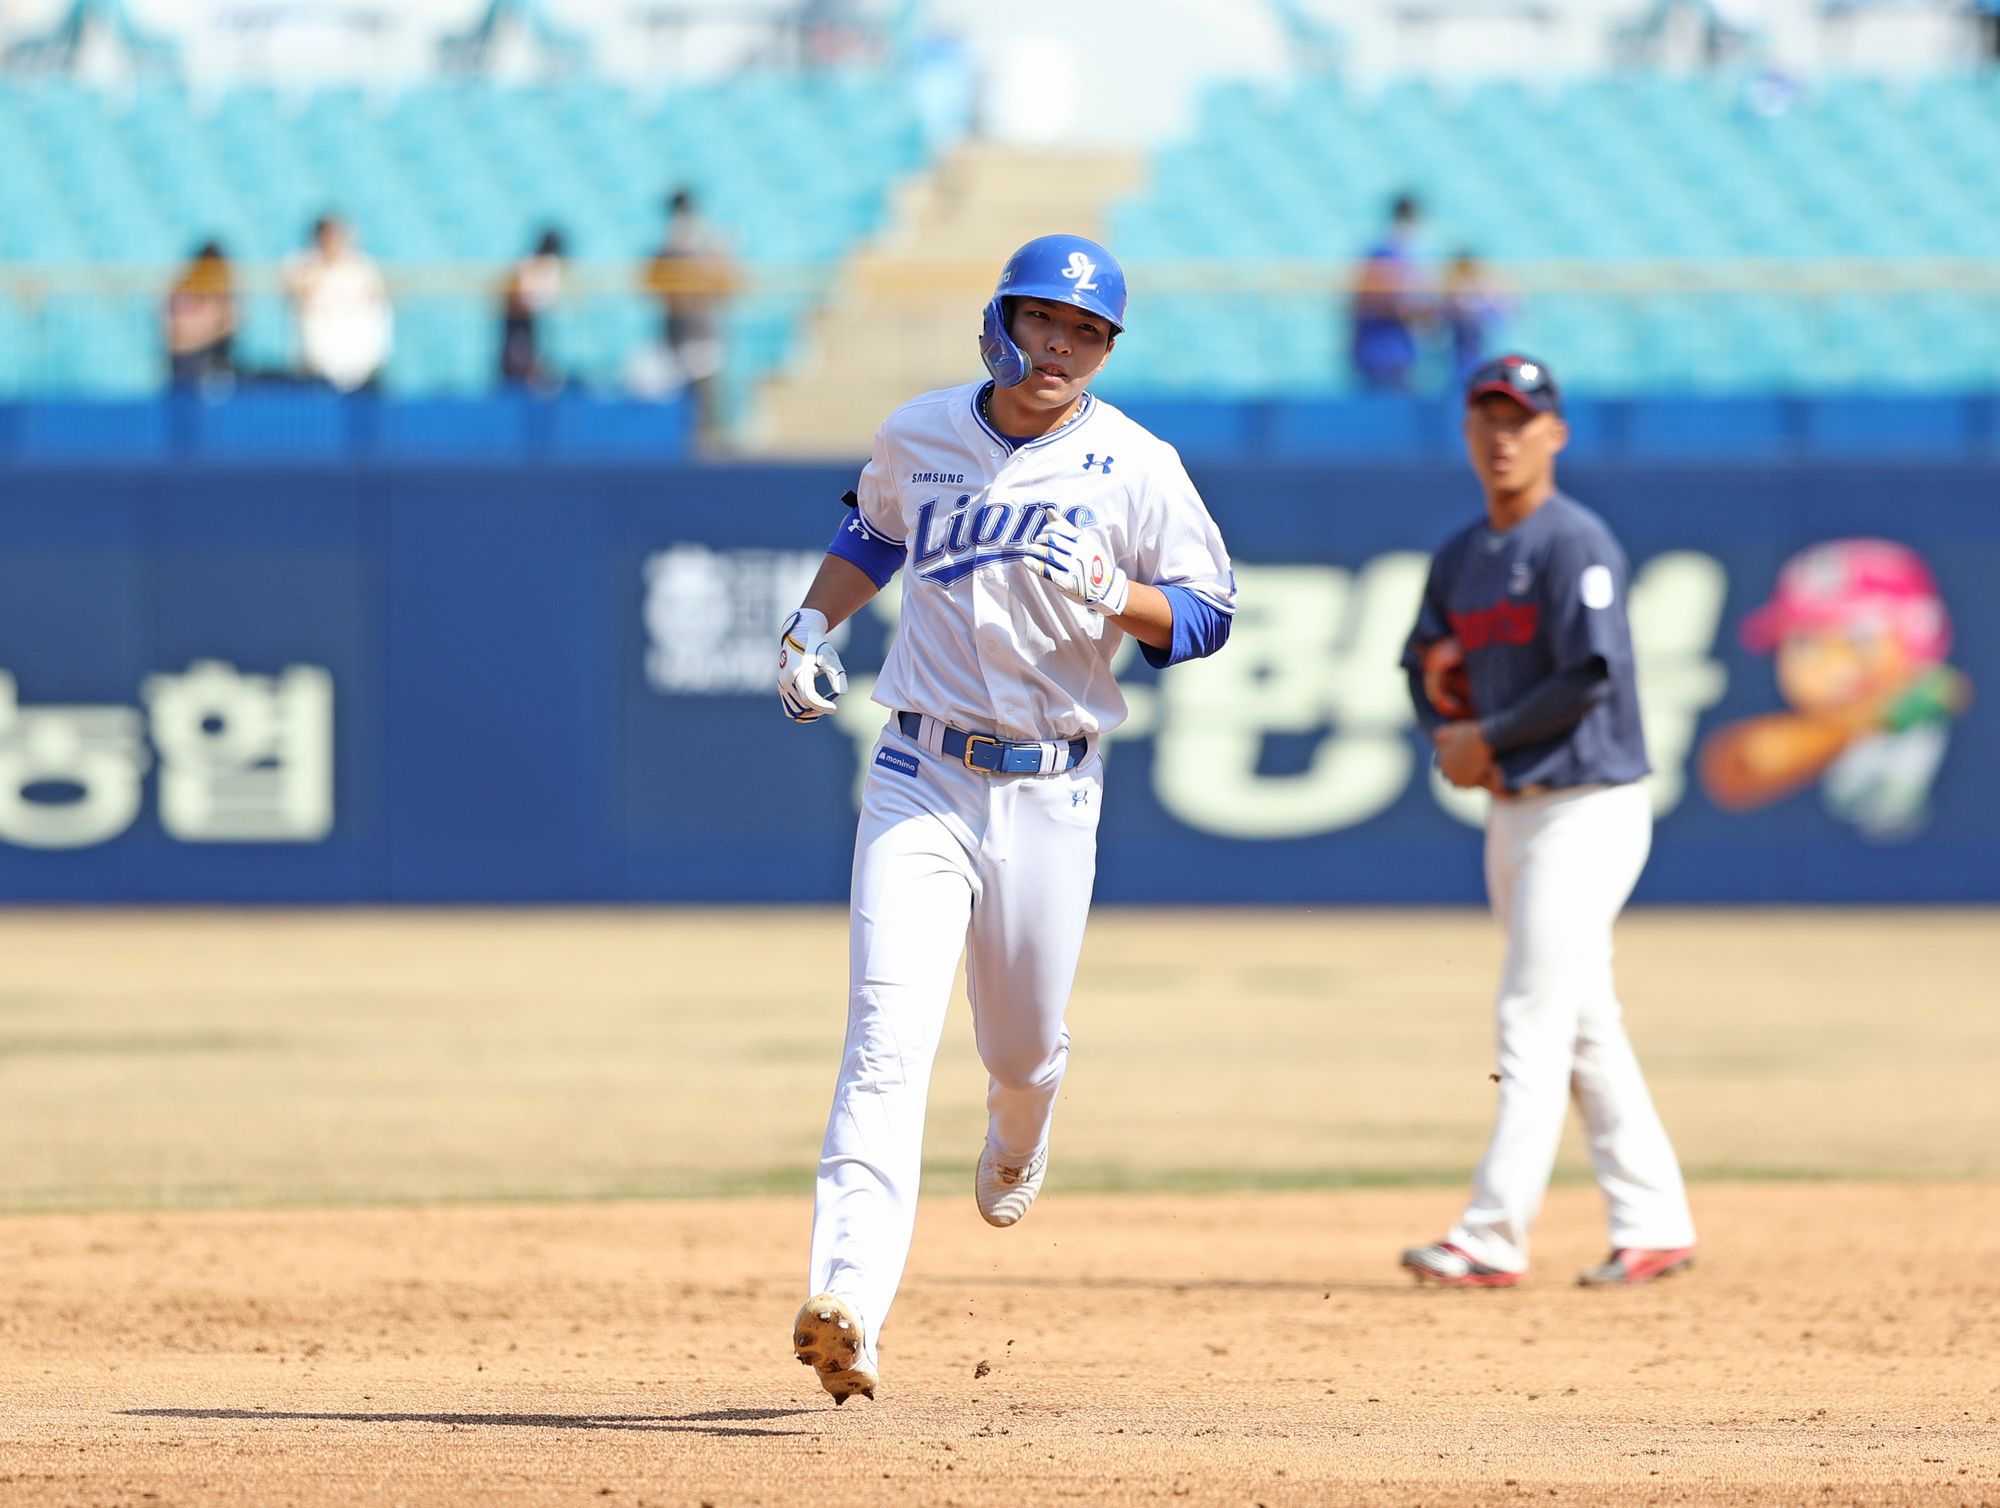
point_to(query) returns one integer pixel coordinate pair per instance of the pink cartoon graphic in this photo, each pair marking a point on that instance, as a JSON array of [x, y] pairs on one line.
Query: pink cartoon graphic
[[1860, 635]]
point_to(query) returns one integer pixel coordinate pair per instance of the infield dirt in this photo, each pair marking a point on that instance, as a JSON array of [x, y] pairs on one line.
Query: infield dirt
[[171, 1336], [1835, 1345]]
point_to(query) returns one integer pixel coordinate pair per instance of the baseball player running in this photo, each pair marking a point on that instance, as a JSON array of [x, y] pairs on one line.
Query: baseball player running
[[1039, 526], [1521, 670]]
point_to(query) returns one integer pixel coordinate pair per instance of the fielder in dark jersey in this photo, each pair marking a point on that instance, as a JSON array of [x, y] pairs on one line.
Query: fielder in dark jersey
[[1529, 602], [1538, 611]]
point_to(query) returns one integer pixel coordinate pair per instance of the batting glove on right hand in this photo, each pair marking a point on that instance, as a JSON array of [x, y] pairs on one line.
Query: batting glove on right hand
[[804, 655], [1078, 563]]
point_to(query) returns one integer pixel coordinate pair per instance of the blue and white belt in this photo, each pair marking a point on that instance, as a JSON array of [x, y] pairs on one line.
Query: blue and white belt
[[996, 756]]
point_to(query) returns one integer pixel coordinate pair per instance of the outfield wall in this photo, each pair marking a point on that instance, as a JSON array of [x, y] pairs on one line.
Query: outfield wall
[[551, 683]]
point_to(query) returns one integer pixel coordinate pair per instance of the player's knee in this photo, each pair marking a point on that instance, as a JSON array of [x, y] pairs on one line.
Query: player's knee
[[873, 1060], [1538, 1069], [1602, 1028], [1557, 977], [1026, 1066]]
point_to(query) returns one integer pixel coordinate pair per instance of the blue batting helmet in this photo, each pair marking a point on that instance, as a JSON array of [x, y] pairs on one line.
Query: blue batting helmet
[[1063, 270]]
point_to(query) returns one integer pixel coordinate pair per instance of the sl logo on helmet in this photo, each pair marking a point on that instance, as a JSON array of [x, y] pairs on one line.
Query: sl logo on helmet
[[1081, 271]]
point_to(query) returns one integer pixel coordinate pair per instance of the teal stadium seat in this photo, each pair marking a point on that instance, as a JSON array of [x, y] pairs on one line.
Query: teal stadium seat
[[1611, 170], [797, 169], [790, 168], [16, 350]]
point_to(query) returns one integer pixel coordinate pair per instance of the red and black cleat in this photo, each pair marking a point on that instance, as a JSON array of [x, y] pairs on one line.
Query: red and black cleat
[[1632, 1264], [1446, 1264]]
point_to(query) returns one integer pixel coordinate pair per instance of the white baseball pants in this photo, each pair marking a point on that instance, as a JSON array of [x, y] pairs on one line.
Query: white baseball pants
[[1559, 868], [947, 860]]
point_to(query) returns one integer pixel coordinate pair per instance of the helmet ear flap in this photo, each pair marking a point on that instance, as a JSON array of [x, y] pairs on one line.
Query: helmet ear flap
[[1006, 361]]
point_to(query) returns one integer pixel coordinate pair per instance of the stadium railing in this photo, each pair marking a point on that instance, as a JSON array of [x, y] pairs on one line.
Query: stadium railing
[[1226, 359]]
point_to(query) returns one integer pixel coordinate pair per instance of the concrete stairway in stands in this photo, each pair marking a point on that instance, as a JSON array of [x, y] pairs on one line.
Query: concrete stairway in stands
[[903, 316]]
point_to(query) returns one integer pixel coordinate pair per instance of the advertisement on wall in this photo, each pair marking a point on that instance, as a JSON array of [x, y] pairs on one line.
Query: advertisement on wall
[[553, 685], [1861, 638], [1313, 657]]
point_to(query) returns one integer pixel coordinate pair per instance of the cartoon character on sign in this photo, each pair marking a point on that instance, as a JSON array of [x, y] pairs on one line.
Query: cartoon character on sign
[[1860, 635]]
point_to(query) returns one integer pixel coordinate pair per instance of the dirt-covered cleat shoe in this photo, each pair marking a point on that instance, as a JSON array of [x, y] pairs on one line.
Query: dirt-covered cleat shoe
[[1005, 1193], [1444, 1263], [1633, 1264], [827, 1336]]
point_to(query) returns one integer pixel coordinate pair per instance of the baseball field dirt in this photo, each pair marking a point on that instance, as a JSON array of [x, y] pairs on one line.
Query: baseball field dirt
[[423, 1209]]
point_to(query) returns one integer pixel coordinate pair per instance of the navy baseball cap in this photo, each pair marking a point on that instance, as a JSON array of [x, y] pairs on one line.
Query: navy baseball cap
[[1527, 381]]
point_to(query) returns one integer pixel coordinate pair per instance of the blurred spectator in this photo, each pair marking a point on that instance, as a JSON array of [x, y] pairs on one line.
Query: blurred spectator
[[201, 322], [1388, 304], [1471, 310], [343, 308], [533, 287], [1696, 33], [1770, 93], [691, 275], [943, 86]]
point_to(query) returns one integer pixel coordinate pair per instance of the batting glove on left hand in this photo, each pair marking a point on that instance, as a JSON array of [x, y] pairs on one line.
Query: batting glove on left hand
[[804, 655], [1078, 563]]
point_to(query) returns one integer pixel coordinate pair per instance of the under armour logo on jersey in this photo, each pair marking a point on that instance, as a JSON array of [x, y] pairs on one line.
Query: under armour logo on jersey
[[854, 526], [1079, 798], [1104, 465], [1520, 579], [1082, 272]]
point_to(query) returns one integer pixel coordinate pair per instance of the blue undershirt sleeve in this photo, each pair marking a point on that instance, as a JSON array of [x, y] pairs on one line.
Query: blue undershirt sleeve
[[1428, 717], [1432, 625], [1200, 628], [858, 544]]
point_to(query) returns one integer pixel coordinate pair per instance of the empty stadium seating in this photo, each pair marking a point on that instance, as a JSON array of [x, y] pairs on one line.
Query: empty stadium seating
[[113, 190], [1730, 246], [1619, 172]]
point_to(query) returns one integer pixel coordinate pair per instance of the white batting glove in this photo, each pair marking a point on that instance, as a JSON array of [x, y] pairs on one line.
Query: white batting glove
[[1078, 564], [804, 655]]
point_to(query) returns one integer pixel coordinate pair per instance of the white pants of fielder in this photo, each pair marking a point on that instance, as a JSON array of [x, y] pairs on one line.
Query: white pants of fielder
[[949, 860], [1559, 868]]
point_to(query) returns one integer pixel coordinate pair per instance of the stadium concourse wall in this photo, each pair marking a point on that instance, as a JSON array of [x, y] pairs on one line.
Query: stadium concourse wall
[[239, 680]]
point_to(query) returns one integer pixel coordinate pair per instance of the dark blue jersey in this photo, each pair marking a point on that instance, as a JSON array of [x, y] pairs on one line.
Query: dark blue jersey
[[1540, 611]]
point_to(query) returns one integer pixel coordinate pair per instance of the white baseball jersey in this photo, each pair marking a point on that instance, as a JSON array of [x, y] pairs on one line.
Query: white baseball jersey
[[949, 858], [983, 642]]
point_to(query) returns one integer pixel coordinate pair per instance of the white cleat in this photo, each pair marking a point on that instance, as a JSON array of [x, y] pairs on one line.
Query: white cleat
[[827, 1336], [1005, 1193]]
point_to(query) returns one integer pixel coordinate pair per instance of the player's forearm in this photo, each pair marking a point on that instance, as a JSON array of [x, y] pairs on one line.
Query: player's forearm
[[1148, 616], [840, 590], [1428, 717], [1555, 706]]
